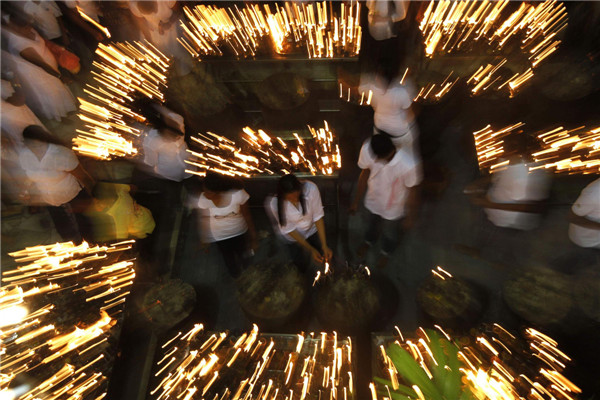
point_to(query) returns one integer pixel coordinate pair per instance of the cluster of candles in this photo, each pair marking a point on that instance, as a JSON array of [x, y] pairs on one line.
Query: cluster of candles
[[58, 308], [122, 72], [430, 93], [211, 31], [454, 26], [570, 151], [260, 153], [493, 364], [207, 365]]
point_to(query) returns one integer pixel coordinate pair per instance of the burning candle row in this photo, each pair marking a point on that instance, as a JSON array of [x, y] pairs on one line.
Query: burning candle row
[[571, 151], [211, 31], [449, 26], [490, 364], [560, 150], [58, 308], [199, 364], [122, 72], [260, 153]]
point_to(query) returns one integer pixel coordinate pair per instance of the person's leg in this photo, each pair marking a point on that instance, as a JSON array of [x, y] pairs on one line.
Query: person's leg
[[373, 223], [391, 234], [232, 250]]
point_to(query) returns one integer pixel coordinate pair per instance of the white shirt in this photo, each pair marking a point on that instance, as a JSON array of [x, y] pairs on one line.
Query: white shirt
[[382, 15], [391, 104], [16, 118], [52, 182], [588, 206], [44, 14], [304, 224], [516, 184], [166, 158], [220, 223], [389, 183]]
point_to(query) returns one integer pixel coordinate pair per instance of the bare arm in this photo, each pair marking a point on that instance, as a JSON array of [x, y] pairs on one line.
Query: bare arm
[[583, 221], [33, 57], [361, 188], [250, 223], [320, 224], [531, 207], [84, 178], [306, 246]]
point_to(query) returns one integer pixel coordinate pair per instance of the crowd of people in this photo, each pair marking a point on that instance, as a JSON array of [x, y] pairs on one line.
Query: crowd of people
[[45, 46]]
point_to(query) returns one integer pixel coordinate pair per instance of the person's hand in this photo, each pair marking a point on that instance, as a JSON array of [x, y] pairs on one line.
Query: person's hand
[[253, 243], [353, 208], [327, 253], [316, 256]]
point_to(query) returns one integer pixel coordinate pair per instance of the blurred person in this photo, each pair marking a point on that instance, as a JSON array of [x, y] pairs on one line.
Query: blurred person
[[158, 23], [165, 149], [54, 178], [389, 177], [297, 215], [225, 220], [32, 63], [584, 229], [515, 196], [83, 35], [45, 16], [383, 15], [114, 215], [14, 114], [158, 177], [391, 101]]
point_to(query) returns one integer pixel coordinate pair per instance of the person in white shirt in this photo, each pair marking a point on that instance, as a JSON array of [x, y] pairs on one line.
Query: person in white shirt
[[225, 220], [165, 149], [45, 15], [54, 179], [297, 216], [14, 113], [516, 194], [389, 177], [383, 15], [392, 98], [584, 229]]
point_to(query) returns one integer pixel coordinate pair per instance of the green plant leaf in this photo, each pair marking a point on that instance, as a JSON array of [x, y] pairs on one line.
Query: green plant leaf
[[403, 389], [452, 385], [412, 372]]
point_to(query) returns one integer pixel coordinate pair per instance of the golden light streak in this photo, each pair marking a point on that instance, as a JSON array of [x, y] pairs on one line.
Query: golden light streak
[[43, 338], [213, 31], [122, 71]]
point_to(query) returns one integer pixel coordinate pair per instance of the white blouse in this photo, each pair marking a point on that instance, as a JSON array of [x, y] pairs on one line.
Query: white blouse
[[304, 224]]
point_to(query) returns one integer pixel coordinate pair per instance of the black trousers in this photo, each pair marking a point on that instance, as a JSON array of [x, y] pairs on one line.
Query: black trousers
[[233, 250]]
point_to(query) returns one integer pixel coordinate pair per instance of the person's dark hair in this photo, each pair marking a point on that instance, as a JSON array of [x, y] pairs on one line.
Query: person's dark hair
[[382, 145], [36, 132], [288, 184], [387, 70], [220, 183]]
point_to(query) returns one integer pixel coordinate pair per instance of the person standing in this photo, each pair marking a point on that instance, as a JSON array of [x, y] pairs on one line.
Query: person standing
[[392, 98], [297, 215], [389, 177], [225, 220]]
